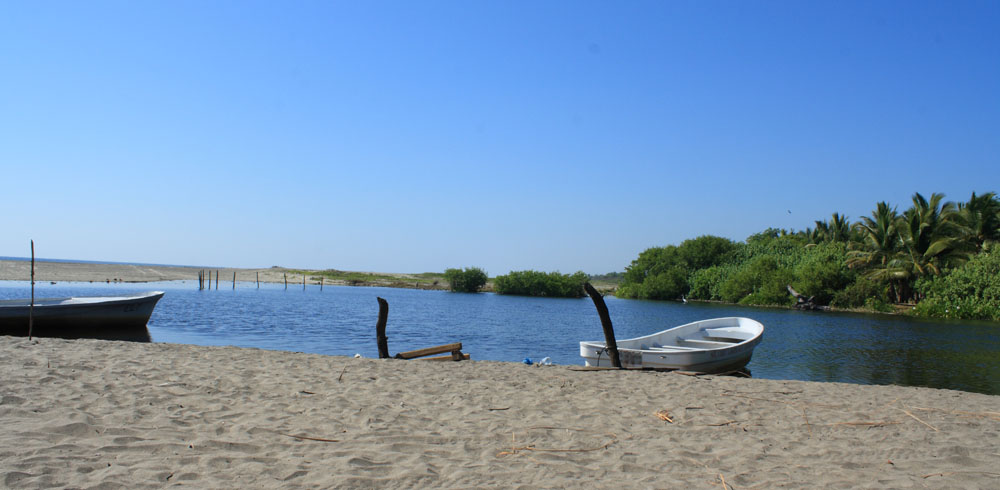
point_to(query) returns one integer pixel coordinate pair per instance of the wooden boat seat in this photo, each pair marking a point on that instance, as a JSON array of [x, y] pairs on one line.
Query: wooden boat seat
[[706, 343]]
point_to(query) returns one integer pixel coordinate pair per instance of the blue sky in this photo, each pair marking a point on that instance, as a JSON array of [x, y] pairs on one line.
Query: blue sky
[[416, 136]]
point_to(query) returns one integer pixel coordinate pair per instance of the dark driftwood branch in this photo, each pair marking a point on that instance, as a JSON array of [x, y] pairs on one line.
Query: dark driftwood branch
[[804, 303], [609, 331], [383, 317], [31, 308]]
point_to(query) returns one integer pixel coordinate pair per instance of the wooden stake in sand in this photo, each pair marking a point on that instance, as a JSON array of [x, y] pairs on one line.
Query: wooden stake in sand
[[383, 316], [31, 308], [609, 331]]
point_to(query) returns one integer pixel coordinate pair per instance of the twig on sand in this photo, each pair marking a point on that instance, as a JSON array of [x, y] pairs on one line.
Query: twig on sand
[[665, 416], [947, 473], [724, 486], [907, 412], [868, 424], [320, 439], [342, 374], [498, 409]]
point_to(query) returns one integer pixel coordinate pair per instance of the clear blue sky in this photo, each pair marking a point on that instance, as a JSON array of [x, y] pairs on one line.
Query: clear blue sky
[[415, 136]]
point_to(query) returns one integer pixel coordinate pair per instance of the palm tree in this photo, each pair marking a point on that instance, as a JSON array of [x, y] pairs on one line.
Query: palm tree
[[981, 216], [880, 248], [932, 235], [839, 229]]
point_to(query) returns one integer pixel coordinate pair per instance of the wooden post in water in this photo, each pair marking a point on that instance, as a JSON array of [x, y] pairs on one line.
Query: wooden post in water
[[234, 280], [209, 280], [609, 331], [383, 341], [201, 279], [258, 279], [321, 283], [31, 308], [303, 282], [216, 279], [286, 281]]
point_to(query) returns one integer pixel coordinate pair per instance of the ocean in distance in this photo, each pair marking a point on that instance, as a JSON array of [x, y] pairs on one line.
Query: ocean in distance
[[340, 320]]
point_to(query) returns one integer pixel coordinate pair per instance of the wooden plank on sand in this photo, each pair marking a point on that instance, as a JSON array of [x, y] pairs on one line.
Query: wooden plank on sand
[[440, 349]]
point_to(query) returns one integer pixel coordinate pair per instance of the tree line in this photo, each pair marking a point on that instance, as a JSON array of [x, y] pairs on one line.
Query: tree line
[[939, 256]]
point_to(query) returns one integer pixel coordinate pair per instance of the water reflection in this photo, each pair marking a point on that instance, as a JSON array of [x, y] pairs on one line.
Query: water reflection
[[873, 349]]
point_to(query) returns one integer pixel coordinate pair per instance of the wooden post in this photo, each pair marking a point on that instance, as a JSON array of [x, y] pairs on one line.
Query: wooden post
[[321, 283], [216, 279], [31, 308], [234, 280], [609, 331], [303, 282], [383, 341], [258, 279], [286, 281], [209, 280], [201, 280]]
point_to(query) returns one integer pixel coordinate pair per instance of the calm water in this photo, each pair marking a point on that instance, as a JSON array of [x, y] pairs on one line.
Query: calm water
[[870, 349]]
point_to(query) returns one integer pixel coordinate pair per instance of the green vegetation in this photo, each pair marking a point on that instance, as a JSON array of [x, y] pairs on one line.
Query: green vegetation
[[426, 280], [470, 280], [533, 283], [936, 254]]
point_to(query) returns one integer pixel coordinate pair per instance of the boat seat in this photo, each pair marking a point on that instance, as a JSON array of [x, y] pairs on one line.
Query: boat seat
[[706, 343], [733, 334], [672, 348]]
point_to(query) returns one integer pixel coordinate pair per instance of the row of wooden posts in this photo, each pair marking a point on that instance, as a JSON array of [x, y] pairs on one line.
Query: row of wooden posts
[[206, 277], [455, 349]]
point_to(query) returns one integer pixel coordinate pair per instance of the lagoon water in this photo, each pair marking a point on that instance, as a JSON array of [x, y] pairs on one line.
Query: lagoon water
[[813, 346]]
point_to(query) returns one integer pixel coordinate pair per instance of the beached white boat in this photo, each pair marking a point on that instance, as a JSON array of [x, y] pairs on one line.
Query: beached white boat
[[707, 346], [95, 317]]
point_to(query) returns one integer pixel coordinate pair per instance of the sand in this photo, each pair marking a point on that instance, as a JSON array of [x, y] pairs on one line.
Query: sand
[[98, 414]]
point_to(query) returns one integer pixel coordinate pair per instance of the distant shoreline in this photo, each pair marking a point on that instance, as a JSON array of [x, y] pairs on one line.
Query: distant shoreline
[[47, 270]]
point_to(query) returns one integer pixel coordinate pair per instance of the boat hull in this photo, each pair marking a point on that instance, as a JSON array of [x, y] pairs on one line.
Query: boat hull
[[708, 346], [108, 318]]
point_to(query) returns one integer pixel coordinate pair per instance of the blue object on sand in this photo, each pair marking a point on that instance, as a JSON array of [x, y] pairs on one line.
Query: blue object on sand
[[527, 360]]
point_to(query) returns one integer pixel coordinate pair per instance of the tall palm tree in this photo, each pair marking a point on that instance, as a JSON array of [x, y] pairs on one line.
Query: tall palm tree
[[839, 229], [880, 248], [981, 216], [932, 235]]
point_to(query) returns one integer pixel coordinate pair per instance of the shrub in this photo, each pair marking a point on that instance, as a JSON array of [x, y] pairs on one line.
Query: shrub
[[534, 283], [858, 293], [470, 280], [821, 272], [968, 292]]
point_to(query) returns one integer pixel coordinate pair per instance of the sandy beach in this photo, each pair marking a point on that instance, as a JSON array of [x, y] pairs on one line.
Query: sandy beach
[[97, 414]]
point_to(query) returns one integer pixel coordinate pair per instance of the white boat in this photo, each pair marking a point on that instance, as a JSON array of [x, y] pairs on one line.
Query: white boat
[[95, 317], [707, 346]]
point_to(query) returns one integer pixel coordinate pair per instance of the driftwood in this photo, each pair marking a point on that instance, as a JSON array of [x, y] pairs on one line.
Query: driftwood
[[383, 341], [804, 303], [609, 331], [455, 349]]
